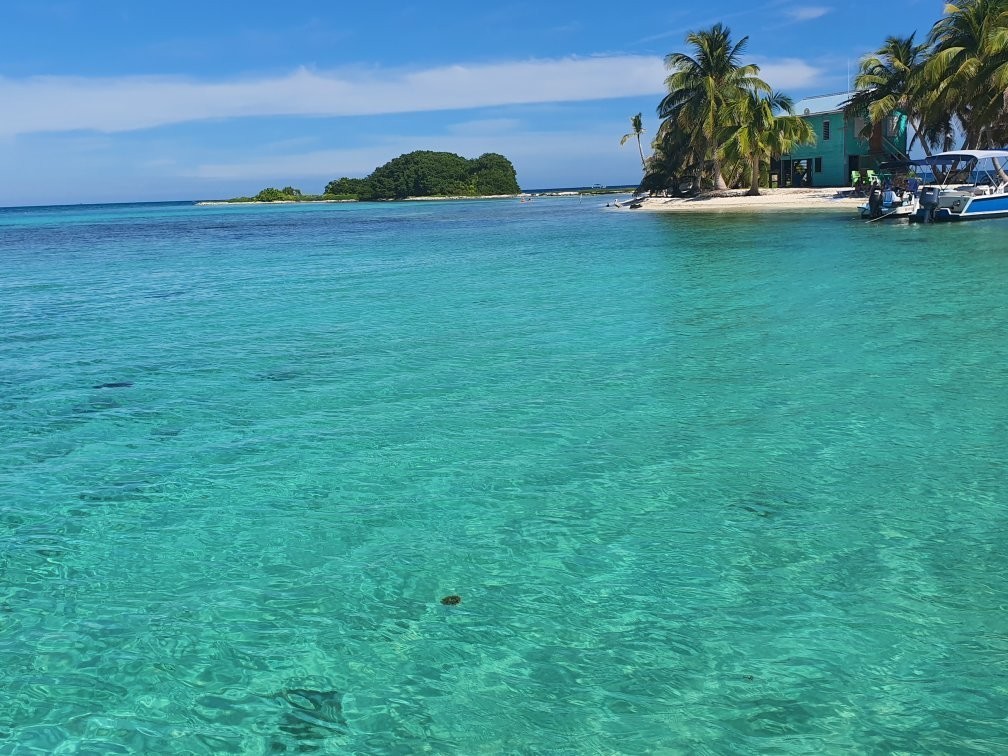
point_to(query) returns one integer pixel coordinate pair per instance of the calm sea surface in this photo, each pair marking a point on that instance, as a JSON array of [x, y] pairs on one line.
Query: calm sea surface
[[718, 484]]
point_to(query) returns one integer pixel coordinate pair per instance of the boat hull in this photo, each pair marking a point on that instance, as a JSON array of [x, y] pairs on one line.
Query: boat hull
[[968, 185], [972, 208], [897, 212]]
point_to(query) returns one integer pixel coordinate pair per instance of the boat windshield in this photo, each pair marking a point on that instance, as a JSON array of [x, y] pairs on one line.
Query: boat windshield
[[900, 172], [974, 169]]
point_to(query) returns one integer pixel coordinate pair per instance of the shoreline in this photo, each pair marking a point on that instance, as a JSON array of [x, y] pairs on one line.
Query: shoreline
[[207, 203], [735, 200], [520, 195]]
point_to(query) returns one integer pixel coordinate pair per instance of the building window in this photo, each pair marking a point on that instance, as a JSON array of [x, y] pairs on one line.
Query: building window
[[825, 130], [818, 165]]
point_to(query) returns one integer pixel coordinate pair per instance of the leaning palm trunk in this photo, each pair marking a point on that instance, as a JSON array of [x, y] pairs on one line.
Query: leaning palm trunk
[[637, 129], [719, 180], [998, 164], [754, 178], [918, 131]]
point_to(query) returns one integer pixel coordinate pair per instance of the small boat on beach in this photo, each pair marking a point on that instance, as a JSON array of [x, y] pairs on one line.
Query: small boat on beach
[[897, 198], [889, 204], [967, 185], [633, 203]]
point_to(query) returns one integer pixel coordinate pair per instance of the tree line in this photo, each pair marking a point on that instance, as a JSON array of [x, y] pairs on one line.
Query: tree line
[[416, 174], [721, 124], [432, 174], [953, 83]]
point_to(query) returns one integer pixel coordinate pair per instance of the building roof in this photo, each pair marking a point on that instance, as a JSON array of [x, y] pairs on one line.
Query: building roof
[[830, 103]]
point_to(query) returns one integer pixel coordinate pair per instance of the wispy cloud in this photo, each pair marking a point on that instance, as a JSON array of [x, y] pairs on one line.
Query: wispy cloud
[[688, 21], [789, 73], [50, 104], [807, 12], [41, 104]]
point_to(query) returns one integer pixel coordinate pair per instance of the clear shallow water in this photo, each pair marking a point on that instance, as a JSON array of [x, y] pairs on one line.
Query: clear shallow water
[[715, 484]]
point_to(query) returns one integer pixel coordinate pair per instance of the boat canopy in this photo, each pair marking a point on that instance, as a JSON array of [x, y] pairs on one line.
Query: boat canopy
[[962, 156], [971, 167], [946, 158]]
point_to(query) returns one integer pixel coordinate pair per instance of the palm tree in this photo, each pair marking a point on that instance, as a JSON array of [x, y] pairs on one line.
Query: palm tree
[[891, 79], [672, 163], [701, 88], [636, 129], [968, 69], [767, 127]]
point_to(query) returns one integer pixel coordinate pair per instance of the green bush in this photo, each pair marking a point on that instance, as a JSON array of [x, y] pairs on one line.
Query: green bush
[[416, 174], [270, 194], [432, 174]]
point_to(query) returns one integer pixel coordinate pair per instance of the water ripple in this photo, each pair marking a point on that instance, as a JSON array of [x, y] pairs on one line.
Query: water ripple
[[697, 493]]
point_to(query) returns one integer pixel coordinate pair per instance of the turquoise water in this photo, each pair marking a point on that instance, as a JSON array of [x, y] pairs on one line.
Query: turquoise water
[[718, 484]]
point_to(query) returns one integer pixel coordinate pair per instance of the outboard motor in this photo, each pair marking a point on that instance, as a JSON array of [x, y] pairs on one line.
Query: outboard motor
[[928, 203], [875, 203]]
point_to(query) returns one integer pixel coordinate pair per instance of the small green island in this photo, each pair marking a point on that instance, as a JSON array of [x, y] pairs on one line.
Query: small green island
[[422, 173]]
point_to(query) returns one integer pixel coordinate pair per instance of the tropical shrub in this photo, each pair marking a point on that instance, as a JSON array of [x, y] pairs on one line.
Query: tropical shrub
[[432, 174]]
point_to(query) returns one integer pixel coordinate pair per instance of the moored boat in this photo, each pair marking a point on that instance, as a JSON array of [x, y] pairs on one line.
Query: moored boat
[[968, 185], [897, 198], [889, 204]]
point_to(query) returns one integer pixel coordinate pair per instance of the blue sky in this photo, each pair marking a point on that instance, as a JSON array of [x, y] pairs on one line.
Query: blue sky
[[109, 100]]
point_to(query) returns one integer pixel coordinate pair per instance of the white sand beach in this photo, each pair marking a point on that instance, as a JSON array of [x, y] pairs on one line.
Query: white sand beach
[[735, 200]]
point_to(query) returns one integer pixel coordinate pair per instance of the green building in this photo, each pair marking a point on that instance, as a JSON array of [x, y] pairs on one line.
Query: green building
[[838, 149]]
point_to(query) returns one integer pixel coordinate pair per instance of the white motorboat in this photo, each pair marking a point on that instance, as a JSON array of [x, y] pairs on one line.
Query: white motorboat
[[968, 185], [897, 198], [889, 204]]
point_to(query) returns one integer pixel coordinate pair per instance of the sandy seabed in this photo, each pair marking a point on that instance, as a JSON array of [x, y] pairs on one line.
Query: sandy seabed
[[735, 200]]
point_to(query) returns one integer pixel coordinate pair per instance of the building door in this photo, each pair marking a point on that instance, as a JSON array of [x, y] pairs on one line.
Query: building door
[[801, 172]]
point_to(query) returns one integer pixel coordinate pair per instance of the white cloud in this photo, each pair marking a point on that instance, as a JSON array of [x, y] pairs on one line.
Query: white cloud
[[52, 104], [42, 104], [807, 12], [788, 73]]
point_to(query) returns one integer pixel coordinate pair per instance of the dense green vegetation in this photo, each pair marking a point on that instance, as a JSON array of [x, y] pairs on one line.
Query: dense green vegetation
[[722, 124], [432, 174], [290, 194], [416, 174], [954, 83]]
